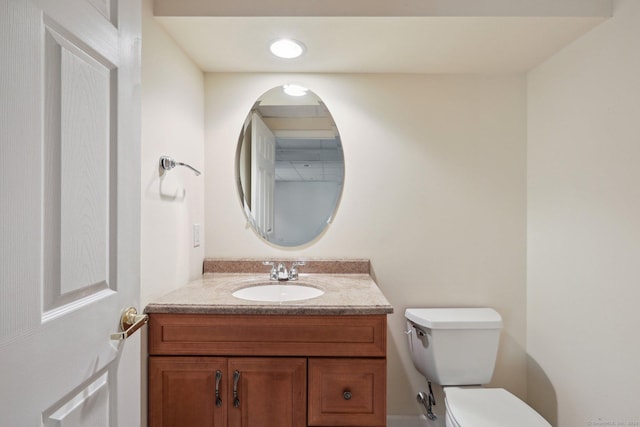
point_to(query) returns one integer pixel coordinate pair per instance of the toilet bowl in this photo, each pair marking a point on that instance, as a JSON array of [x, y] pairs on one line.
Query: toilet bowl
[[457, 348], [488, 407]]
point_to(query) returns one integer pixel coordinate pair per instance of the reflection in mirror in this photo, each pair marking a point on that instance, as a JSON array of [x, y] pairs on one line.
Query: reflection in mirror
[[289, 166]]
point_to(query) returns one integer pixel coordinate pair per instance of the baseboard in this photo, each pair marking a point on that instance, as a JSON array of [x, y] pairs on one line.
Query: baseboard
[[412, 421]]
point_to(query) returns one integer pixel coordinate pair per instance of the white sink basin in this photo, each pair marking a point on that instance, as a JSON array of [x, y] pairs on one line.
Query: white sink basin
[[279, 292]]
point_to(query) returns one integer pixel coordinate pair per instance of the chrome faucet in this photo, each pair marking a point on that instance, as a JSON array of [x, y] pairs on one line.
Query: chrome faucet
[[280, 272]]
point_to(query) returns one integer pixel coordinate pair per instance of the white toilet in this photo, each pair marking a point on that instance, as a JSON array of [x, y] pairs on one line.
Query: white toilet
[[457, 348]]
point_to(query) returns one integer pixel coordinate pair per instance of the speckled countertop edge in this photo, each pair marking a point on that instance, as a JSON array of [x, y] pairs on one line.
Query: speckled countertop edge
[[344, 294], [320, 266]]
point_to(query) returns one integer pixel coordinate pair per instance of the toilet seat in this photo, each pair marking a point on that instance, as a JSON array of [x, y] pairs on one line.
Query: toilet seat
[[488, 407]]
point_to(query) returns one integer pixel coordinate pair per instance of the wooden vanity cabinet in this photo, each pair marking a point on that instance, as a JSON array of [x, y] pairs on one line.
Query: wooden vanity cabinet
[[293, 370]]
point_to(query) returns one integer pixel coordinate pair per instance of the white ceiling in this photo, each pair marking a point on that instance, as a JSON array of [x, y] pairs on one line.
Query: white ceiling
[[383, 8], [377, 44]]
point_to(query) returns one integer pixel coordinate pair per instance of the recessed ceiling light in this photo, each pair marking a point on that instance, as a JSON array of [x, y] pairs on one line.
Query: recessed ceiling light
[[295, 90], [287, 48]]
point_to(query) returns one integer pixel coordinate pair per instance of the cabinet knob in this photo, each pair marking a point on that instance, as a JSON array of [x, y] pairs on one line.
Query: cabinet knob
[[347, 395]]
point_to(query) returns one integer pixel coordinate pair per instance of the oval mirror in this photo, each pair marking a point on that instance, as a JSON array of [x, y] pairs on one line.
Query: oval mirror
[[289, 166]]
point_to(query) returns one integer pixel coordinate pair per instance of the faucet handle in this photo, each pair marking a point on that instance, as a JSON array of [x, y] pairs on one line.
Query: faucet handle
[[273, 275], [293, 272]]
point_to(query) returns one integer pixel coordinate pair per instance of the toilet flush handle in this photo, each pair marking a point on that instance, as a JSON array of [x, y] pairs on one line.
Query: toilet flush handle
[[419, 332]]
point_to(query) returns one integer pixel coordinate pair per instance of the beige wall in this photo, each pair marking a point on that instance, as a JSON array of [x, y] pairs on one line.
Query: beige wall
[[172, 124], [434, 195], [584, 227], [447, 226]]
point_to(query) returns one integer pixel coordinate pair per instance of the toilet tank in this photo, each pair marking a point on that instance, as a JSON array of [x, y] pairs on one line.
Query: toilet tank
[[454, 346]]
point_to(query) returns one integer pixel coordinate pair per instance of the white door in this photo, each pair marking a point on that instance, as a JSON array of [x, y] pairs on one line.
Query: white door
[[263, 175], [70, 212]]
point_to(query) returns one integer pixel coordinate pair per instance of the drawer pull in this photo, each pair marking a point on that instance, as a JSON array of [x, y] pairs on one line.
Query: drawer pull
[[236, 378], [218, 378], [347, 395]]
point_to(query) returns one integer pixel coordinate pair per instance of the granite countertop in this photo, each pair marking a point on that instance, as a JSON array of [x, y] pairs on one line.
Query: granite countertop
[[344, 294]]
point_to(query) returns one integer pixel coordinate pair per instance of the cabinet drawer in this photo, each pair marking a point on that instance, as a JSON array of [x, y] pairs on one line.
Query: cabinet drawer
[[347, 392], [267, 335]]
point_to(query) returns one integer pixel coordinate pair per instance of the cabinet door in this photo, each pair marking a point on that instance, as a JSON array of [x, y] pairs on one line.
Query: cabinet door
[[347, 392], [271, 392], [182, 391]]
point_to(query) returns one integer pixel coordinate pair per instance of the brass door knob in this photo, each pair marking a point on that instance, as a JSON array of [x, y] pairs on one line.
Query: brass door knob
[[130, 321]]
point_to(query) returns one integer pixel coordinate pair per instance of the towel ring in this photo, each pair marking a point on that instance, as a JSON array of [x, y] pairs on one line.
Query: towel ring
[[167, 163]]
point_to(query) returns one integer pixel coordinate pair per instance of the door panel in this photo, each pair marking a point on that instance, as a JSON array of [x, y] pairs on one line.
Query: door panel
[[72, 412], [263, 175], [69, 230], [79, 97]]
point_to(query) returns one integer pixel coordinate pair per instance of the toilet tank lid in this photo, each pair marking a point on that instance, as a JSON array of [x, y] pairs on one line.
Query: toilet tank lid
[[455, 318]]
